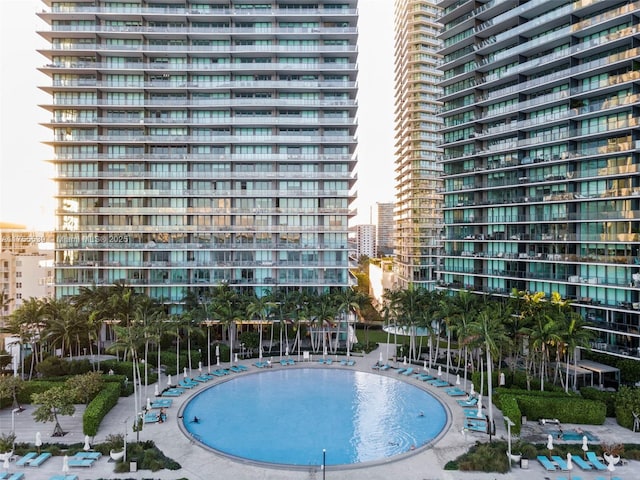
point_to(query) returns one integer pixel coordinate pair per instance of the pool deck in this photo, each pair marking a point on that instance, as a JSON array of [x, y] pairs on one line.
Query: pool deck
[[199, 464]]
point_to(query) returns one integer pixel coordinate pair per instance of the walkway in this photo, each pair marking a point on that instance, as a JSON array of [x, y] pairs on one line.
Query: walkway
[[199, 464]]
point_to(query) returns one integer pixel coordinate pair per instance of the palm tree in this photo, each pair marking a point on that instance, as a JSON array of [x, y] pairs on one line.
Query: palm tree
[[228, 308], [25, 324], [260, 308], [94, 301], [487, 331], [574, 336], [349, 301], [64, 326], [544, 335]]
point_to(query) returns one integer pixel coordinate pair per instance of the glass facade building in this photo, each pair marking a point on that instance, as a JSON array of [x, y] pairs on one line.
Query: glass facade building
[[541, 153], [200, 142], [418, 183]]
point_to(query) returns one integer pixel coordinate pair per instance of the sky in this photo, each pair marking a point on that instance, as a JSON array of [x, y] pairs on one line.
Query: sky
[[26, 188]]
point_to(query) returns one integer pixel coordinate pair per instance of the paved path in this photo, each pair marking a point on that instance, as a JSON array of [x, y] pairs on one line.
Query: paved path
[[200, 464]]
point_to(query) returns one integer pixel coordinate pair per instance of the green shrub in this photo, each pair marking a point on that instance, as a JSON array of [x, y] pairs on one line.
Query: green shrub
[[608, 398], [566, 410], [484, 457], [627, 401], [510, 409], [34, 386], [99, 407], [53, 367]]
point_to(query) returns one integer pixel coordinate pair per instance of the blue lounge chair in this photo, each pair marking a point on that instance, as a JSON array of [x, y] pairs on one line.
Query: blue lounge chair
[[81, 462], [173, 392], [162, 403], [26, 459], [597, 464], [385, 367], [547, 464], [468, 403], [328, 361], [400, 370], [573, 477], [4, 475], [16, 476], [241, 368], [284, 363], [260, 364], [424, 377], [438, 383], [64, 477], [455, 392], [151, 417], [581, 463], [186, 383], [561, 462], [408, 371], [88, 455], [40, 459], [351, 363]]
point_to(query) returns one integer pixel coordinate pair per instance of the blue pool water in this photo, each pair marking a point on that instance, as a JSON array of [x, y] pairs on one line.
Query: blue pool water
[[289, 416]]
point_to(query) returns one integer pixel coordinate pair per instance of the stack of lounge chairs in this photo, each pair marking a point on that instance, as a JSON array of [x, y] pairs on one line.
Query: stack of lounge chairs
[[14, 476], [84, 459], [32, 459]]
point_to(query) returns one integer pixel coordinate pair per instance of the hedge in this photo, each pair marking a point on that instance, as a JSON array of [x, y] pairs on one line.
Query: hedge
[[608, 398], [99, 407], [566, 410], [511, 409], [498, 393]]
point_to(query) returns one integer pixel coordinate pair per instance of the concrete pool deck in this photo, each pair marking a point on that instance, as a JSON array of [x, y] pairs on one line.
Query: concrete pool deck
[[200, 464]]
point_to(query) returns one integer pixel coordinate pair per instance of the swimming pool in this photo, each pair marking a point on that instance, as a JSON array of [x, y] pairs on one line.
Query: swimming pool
[[289, 416]]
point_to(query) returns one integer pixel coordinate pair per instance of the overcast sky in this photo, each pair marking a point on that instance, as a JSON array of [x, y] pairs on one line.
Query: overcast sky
[[25, 185]]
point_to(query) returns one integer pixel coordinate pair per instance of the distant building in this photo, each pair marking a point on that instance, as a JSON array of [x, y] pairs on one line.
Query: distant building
[[386, 228], [365, 240], [202, 143], [26, 266], [418, 183]]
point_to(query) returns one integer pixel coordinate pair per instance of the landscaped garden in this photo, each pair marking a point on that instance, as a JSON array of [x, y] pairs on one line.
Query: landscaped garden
[[522, 345]]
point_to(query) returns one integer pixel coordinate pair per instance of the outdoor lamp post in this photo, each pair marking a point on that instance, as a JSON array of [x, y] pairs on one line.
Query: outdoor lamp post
[[509, 425], [324, 462]]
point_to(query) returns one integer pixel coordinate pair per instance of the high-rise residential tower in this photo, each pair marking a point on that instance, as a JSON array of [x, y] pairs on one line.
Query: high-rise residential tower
[[199, 142], [386, 228], [418, 173], [541, 154]]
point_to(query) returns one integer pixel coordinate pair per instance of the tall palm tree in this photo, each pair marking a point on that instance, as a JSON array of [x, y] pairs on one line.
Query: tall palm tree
[[25, 324], [574, 336], [94, 302], [349, 301], [488, 332], [544, 336], [65, 325], [259, 308]]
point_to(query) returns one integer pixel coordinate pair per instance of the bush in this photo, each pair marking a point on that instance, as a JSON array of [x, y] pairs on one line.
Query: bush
[[53, 367], [484, 457], [608, 398], [99, 407], [627, 401], [567, 410], [511, 409], [34, 386]]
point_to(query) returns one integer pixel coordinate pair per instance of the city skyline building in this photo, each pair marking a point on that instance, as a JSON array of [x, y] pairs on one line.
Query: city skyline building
[[386, 228], [541, 153], [202, 143], [418, 214], [366, 240]]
